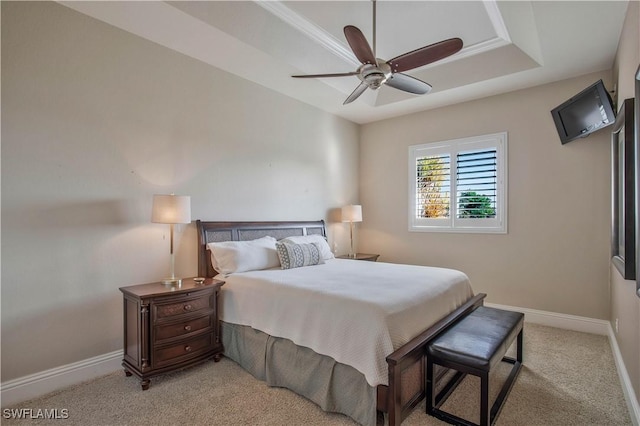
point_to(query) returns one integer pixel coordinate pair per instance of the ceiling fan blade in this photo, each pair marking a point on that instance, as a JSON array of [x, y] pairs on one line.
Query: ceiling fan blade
[[408, 84], [355, 94], [425, 55], [340, 74], [359, 45]]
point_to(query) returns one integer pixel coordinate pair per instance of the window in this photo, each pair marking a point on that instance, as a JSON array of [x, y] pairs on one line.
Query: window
[[459, 185]]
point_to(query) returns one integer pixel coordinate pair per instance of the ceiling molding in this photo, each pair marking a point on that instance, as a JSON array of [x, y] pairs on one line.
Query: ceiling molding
[[501, 39], [474, 49], [335, 46], [491, 6], [310, 29]]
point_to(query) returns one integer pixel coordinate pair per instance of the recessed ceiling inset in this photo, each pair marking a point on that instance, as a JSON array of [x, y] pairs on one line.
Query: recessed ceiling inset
[[375, 72]]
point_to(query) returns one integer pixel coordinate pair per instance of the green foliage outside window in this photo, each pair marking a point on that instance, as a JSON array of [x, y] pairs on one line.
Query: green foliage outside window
[[474, 205]]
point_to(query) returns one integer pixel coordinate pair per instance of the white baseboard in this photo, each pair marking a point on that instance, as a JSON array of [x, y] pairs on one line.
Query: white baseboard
[[587, 325], [625, 380], [38, 384], [564, 321]]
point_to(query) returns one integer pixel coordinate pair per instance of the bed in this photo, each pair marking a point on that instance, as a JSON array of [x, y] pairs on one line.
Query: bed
[[361, 378]]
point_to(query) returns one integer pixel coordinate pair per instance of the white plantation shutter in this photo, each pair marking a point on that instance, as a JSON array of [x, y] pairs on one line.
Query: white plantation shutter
[[477, 179], [433, 181], [459, 185]]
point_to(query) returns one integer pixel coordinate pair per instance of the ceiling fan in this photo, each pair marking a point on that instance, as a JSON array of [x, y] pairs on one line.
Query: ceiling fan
[[374, 72]]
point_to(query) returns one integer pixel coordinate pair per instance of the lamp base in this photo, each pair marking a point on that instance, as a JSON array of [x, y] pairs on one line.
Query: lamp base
[[172, 281]]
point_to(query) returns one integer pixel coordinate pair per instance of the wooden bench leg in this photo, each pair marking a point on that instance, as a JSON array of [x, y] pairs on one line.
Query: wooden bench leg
[[508, 384], [430, 386], [485, 414], [435, 400], [519, 349]]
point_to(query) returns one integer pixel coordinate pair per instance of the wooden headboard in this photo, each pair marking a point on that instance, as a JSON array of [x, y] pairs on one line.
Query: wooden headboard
[[216, 232]]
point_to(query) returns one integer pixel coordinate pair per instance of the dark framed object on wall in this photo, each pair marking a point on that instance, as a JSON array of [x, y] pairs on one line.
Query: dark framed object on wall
[[637, 186], [623, 241]]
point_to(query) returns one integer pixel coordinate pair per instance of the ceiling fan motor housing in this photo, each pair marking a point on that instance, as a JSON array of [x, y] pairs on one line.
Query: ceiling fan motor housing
[[374, 76]]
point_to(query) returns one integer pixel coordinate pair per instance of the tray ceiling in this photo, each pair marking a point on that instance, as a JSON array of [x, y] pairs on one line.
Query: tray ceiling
[[507, 45]]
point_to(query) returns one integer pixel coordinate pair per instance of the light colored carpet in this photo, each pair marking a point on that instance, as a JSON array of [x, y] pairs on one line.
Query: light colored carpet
[[568, 378]]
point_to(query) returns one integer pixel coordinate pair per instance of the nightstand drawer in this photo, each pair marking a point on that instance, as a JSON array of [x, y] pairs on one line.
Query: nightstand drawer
[[168, 331], [183, 307], [169, 354]]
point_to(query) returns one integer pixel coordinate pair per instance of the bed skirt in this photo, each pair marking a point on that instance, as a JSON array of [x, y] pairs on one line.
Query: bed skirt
[[335, 387]]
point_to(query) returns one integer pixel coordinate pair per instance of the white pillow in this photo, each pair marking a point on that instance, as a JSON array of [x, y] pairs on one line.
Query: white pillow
[[242, 256], [323, 245]]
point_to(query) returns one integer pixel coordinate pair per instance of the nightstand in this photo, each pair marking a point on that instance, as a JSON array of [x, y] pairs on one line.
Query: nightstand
[[169, 327], [361, 256]]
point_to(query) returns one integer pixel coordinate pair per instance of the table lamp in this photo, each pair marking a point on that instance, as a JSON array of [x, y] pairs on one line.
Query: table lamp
[[171, 209], [352, 213]]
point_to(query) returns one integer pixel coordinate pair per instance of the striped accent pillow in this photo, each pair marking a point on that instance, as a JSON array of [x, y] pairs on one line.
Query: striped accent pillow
[[298, 255]]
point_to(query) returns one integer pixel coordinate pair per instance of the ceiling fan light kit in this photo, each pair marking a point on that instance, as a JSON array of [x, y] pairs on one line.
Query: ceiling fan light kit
[[375, 72], [374, 76]]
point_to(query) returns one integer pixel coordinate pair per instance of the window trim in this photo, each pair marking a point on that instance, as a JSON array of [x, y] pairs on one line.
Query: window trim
[[497, 225]]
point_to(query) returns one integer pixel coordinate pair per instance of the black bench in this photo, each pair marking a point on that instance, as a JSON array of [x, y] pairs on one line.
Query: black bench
[[474, 345]]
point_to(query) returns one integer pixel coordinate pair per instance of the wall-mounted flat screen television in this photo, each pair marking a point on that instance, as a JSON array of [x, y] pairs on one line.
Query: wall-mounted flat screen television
[[585, 113]]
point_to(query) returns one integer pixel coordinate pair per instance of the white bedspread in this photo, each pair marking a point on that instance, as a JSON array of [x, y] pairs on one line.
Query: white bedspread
[[356, 312]]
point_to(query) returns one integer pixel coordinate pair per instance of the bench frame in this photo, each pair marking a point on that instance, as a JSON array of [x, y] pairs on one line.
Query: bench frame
[[487, 417]]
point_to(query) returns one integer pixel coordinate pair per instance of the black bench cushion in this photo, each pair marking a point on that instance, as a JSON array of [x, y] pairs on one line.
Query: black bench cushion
[[480, 339]]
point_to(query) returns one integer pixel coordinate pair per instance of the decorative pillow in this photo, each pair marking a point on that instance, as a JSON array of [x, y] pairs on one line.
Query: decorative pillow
[[298, 255], [325, 250], [242, 256]]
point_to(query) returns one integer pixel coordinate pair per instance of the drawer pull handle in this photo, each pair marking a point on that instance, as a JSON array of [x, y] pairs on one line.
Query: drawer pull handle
[[187, 307], [187, 348], [187, 327]]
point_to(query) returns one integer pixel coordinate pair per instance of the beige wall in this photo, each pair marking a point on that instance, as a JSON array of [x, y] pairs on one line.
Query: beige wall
[[95, 121], [555, 256], [625, 307]]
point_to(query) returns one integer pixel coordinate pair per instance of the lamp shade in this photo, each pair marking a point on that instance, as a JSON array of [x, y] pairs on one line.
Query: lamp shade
[[352, 213], [171, 209]]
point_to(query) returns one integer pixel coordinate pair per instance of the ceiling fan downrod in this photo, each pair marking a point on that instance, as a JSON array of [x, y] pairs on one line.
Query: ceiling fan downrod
[[374, 29]]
